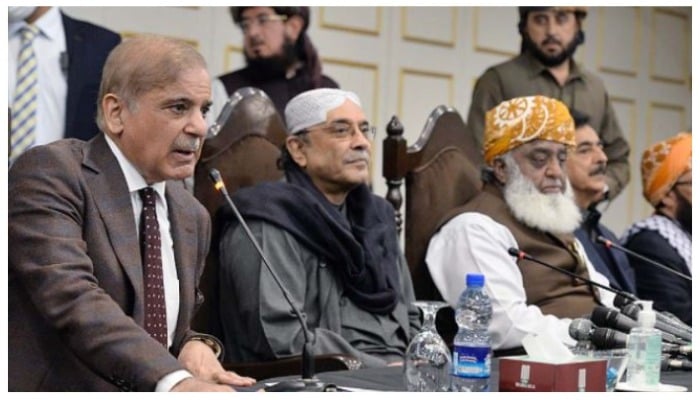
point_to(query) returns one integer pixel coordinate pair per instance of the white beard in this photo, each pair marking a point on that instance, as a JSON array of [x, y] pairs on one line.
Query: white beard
[[555, 213]]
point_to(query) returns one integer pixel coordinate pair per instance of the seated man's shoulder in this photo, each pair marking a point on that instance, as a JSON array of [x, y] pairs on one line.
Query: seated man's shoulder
[[472, 223], [55, 156], [646, 240]]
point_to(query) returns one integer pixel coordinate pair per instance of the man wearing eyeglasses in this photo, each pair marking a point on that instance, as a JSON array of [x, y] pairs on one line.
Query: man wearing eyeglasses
[[545, 66], [280, 58], [666, 236], [585, 167], [331, 241]]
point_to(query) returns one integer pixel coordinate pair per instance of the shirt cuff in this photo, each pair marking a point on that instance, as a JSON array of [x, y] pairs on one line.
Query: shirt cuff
[[169, 381]]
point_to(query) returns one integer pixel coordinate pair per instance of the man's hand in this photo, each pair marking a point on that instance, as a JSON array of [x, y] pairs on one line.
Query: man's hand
[[198, 385], [200, 360]]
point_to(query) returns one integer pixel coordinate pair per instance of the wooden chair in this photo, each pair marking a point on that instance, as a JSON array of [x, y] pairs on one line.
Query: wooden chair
[[439, 173], [245, 151]]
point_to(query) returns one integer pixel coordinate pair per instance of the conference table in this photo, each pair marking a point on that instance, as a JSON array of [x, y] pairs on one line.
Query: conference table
[[391, 379]]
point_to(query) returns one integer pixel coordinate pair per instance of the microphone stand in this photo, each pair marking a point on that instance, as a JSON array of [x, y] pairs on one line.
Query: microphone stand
[[521, 255], [609, 244], [307, 383]]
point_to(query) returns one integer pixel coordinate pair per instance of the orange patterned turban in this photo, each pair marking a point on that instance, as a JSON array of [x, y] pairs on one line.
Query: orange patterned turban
[[663, 163], [524, 119]]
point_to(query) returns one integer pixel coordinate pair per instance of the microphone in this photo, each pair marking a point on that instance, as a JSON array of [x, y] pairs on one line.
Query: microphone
[[632, 311], [307, 383], [521, 255], [621, 302], [610, 318], [670, 364], [607, 338], [581, 328], [610, 245]]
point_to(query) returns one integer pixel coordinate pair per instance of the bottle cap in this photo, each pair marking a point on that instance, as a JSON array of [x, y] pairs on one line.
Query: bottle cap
[[475, 280], [647, 316]]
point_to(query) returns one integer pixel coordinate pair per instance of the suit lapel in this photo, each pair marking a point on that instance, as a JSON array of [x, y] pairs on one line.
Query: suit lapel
[[184, 237], [75, 47], [113, 202]]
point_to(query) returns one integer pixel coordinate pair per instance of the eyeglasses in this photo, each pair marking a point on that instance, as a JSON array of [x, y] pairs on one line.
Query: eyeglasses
[[261, 20], [344, 130]]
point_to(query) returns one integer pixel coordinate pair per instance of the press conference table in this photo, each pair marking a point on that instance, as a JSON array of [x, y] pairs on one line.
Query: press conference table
[[391, 379]]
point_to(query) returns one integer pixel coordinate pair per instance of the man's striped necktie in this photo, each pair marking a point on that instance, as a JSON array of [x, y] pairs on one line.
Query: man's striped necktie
[[23, 118]]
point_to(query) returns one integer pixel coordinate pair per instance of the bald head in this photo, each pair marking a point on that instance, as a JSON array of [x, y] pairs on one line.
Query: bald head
[[143, 63]]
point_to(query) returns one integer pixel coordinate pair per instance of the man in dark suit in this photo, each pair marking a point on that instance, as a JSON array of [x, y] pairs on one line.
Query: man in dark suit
[[70, 55], [586, 166], [83, 314]]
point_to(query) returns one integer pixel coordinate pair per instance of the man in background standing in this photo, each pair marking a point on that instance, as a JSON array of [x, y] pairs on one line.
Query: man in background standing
[[280, 58], [68, 55], [545, 66]]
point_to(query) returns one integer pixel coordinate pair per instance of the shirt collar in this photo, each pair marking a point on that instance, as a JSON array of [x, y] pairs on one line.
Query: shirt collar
[[134, 180], [50, 25]]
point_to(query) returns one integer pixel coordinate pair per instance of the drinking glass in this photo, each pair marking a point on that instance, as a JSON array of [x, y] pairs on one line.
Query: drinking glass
[[428, 361]]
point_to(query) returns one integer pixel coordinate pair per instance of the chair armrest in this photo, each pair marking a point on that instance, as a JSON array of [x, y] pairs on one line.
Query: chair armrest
[[292, 366]]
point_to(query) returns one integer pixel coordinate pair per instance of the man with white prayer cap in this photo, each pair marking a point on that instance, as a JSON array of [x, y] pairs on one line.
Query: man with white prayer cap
[[526, 203], [330, 240]]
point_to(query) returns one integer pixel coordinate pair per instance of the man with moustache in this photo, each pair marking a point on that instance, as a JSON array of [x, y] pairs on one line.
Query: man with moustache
[[526, 203], [545, 66], [106, 245], [69, 56], [280, 58], [585, 167], [331, 241], [666, 236]]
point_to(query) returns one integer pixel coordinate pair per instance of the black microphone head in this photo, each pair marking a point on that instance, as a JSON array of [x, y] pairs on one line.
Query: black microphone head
[[215, 175], [631, 310], [605, 338], [622, 299], [514, 252], [581, 329], [610, 318], [602, 239]]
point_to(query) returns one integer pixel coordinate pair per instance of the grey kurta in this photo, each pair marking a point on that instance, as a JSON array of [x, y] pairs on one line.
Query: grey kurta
[[583, 91], [258, 323]]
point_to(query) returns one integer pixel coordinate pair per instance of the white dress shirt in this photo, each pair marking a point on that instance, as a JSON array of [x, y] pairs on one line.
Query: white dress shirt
[[171, 284], [475, 243], [53, 82]]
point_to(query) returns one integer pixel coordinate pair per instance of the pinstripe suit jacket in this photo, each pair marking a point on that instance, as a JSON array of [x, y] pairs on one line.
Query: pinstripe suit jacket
[[76, 304]]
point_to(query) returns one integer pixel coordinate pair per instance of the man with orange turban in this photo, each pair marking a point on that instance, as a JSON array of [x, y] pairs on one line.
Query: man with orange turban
[[666, 236], [526, 203]]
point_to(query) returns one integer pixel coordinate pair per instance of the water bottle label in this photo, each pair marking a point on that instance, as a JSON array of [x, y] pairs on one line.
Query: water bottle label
[[471, 362]]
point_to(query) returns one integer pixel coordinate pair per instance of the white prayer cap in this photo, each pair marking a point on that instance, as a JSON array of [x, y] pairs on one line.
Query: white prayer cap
[[311, 108]]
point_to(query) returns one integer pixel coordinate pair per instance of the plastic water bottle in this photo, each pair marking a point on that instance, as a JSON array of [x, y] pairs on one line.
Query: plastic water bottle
[[471, 357]]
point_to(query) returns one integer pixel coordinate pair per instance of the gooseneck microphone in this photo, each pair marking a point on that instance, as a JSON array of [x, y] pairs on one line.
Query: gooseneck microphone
[[307, 383], [670, 364], [632, 311], [608, 338], [521, 255], [610, 245], [611, 318], [624, 303]]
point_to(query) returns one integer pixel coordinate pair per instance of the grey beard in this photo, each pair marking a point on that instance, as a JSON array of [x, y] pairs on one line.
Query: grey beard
[[555, 213]]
